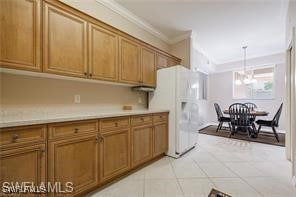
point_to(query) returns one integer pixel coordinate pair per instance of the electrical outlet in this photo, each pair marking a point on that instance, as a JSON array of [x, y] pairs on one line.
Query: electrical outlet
[[77, 98]]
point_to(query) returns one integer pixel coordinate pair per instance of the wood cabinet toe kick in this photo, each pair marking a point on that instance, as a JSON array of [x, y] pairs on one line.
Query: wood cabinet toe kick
[[88, 153]]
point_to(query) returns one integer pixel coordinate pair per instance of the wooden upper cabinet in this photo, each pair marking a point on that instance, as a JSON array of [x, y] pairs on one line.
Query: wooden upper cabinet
[[115, 153], [65, 42], [141, 144], [148, 63], [25, 164], [173, 62], [162, 61], [20, 34], [103, 53], [130, 65], [74, 160]]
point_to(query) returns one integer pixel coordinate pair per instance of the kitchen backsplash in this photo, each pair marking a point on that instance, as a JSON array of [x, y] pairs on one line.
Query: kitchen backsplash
[[29, 96]]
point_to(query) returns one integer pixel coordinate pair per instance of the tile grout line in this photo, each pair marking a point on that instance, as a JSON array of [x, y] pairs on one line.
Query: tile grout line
[[205, 173], [241, 178], [183, 193]]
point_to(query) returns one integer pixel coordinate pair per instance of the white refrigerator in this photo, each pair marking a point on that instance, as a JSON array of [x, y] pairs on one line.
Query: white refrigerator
[[177, 90]]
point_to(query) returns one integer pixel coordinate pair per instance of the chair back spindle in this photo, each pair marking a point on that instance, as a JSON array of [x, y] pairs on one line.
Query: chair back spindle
[[251, 106], [240, 115]]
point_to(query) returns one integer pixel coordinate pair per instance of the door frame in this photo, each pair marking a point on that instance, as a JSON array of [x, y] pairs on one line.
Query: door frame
[[291, 102]]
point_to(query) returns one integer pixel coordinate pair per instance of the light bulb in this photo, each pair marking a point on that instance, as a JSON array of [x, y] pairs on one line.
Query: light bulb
[[238, 82], [247, 81]]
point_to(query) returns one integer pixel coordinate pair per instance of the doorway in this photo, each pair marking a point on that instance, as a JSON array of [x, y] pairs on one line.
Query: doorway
[[291, 104]]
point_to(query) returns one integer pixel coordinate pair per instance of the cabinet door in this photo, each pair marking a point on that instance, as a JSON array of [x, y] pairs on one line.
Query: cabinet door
[[162, 61], [65, 42], [148, 59], [129, 56], [115, 153], [26, 164], [103, 53], [160, 138], [20, 34], [74, 160], [141, 144]]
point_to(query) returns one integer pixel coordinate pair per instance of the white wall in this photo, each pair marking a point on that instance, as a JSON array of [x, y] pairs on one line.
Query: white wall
[[291, 20], [26, 96], [181, 49], [220, 89], [253, 62]]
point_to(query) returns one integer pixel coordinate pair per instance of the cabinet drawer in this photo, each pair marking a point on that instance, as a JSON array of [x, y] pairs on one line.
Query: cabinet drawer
[[20, 135], [114, 123], [140, 120], [160, 117], [72, 128]]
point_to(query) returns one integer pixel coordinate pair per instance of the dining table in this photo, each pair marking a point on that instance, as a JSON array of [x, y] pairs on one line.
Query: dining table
[[254, 113]]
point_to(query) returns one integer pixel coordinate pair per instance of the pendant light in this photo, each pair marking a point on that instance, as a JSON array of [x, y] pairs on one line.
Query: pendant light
[[247, 79]]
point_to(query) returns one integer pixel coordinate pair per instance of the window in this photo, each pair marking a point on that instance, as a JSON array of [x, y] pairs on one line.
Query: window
[[254, 83]]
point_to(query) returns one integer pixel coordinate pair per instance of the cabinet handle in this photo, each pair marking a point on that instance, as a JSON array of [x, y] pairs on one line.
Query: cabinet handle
[[42, 151], [116, 124], [85, 74], [14, 137], [142, 119], [101, 138], [76, 130], [90, 74]]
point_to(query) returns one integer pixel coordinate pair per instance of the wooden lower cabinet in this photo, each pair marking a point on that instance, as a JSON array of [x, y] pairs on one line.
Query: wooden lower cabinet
[[141, 144], [115, 153], [75, 160], [160, 138], [89, 159], [24, 164]]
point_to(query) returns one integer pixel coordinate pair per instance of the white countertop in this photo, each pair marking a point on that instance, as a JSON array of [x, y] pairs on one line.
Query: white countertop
[[83, 115]]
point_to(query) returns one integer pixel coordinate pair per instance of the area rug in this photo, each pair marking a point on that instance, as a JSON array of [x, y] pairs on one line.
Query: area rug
[[263, 137]]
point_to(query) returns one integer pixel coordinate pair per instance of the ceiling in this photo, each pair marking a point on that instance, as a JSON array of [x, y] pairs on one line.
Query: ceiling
[[222, 27]]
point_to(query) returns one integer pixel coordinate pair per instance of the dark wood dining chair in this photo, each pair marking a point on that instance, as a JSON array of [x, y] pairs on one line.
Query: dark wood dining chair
[[271, 123], [240, 118], [221, 118], [252, 107]]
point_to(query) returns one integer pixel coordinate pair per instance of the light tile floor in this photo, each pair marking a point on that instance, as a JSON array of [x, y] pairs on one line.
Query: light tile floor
[[239, 168]]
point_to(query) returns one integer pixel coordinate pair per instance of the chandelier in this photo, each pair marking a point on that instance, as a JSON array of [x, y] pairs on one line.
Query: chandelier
[[248, 76]]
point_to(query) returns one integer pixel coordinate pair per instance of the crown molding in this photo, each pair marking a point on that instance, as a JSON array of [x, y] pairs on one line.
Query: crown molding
[[117, 8], [180, 37]]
